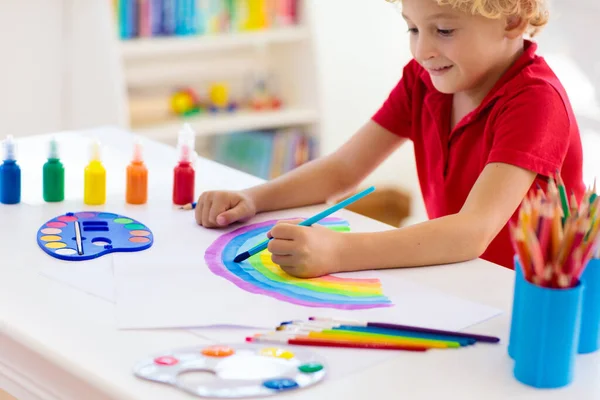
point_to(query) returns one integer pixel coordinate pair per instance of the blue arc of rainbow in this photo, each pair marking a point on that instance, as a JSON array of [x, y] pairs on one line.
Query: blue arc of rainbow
[[258, 274]]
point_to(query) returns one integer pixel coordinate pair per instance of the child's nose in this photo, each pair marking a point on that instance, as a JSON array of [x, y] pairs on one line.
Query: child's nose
[[424, 48]]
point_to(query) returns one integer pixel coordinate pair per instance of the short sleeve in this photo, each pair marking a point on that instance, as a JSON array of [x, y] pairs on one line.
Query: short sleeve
[[395, 113], [532, 130]]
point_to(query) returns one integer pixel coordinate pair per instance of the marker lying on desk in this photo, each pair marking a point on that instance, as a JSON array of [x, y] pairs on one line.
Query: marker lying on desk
[[308, 222]]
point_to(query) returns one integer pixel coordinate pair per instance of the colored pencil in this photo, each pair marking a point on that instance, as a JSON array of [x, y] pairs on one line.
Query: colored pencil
[[308, 222], [189, 206], [298, 326], [383, 325], [337, 343], [345, 334], [554, 251]]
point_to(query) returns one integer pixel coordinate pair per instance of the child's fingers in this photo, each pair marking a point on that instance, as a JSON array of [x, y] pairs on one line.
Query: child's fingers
[[282, 247], [198, 211], [286, 262], [295, 221], [219, 205], [206, 212], [232, 215], [285, 231]]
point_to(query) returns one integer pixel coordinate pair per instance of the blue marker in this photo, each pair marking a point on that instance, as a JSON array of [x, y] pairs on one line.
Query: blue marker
[[10, 175], [308, 222]]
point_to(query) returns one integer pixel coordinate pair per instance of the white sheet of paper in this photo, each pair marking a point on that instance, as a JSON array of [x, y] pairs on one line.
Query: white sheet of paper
[[94, 277], [157, 291]]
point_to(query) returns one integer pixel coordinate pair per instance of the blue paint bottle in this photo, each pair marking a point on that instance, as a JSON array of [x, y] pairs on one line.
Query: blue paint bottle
[[10, 175]]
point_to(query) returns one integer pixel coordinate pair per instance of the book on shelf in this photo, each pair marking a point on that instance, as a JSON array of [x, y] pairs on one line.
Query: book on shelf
[[265, 154], [155, 18]]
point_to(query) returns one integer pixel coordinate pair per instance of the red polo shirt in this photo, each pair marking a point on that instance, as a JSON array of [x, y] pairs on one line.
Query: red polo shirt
[[525, 120]]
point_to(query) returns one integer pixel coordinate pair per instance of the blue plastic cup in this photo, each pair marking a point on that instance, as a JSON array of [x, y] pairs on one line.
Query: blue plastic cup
[[548, 335], [589, 338], [514, 322]]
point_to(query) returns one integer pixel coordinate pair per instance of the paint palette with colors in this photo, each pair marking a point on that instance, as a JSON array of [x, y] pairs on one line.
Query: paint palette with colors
[[240, 370], [88, 234]]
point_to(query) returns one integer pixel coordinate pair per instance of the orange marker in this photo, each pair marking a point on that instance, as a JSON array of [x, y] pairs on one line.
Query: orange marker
[[137, 178]]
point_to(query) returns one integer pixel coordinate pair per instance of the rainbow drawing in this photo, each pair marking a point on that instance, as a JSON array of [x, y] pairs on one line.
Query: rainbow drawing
[[259, 275]]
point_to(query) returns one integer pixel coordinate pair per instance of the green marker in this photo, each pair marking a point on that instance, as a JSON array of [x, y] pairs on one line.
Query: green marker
[[53, 175]]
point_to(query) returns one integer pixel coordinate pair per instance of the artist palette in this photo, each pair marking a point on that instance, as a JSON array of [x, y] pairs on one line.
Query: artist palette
[[86, 235], [241, 370]]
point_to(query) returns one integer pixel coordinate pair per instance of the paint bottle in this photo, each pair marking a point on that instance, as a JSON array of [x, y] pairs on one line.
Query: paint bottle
[[184, 174], [94, 187], [10, 174], [137, 178], [53, 175]]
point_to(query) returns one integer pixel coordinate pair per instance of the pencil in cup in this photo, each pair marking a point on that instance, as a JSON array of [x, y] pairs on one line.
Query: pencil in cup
[[554, 239], [308, 222]]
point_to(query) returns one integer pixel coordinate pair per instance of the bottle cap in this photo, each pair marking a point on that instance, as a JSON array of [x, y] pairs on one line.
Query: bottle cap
[[53, 152], [10, 148], [138, 152], [186, 143], [95, 151]]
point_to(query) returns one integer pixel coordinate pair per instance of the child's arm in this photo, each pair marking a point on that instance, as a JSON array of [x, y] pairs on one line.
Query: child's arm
[[329, 176], [454, 238], [314, 251]]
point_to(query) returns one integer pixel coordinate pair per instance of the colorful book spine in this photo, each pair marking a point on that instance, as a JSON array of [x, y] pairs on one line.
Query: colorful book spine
[[169, 17], [144, 18], [151, 18], [185, 17], [155, 16], [126, 18]]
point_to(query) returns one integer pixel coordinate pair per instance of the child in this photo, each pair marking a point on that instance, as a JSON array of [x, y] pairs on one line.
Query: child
[[489, 121]]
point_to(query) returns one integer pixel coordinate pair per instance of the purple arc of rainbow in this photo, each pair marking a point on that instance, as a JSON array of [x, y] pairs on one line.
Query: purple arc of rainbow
[[259, 275]]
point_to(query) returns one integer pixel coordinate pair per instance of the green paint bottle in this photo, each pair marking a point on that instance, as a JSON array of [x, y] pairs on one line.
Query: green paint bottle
[[54, 175]]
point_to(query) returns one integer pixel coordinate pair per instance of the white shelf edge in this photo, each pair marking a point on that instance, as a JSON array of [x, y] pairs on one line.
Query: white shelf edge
[[160, 46], [205, 125]]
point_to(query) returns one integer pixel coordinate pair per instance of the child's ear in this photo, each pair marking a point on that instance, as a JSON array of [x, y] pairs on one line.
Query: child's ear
[[515, 26]]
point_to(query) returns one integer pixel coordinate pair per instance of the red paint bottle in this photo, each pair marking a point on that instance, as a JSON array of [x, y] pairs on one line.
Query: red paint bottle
[[184, 176]]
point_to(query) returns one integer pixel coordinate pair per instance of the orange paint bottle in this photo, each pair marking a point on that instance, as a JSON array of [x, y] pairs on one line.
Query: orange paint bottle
[[137, 178]]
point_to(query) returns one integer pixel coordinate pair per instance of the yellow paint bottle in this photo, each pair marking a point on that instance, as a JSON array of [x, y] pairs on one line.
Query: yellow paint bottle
[[94, 187]]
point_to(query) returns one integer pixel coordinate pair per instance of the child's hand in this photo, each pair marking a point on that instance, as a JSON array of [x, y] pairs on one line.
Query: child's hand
[[221, 208], [306, 251]]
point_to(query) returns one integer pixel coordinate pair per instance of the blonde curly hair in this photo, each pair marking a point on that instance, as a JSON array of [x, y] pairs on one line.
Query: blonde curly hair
[[533, 11]]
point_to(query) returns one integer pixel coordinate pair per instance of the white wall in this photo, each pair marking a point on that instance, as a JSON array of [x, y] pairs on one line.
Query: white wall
[[361, 48], [60, 68], [30, 71]]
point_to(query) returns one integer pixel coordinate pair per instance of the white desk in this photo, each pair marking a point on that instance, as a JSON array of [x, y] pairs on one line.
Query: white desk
[[57, 342]]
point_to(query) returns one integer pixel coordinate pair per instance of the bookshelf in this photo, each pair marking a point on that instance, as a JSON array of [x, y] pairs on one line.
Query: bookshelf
[[223, 124], [148, 48], [155, 66]]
